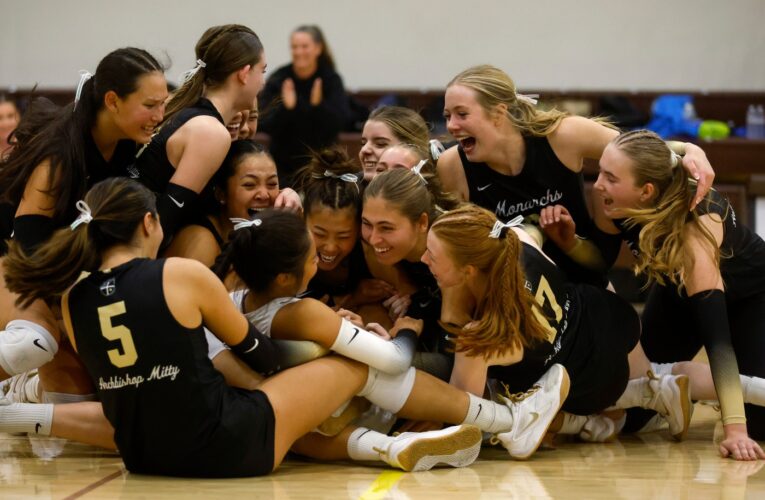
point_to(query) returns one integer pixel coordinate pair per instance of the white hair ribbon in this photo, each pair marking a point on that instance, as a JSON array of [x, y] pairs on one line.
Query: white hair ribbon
[[436, 148], [417, 169], [84, 217], [496, 231], [675, 159], [529, 99], [240, 223], [344, 177], [189, 74], [84, 77]]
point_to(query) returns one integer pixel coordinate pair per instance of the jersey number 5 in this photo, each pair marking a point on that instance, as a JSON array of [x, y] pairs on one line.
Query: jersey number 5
[[545, 293], [128, 356]]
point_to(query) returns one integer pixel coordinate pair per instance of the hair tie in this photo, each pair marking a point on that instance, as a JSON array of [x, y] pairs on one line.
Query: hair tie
[[352, 178], [240, 223], [436, 148], [85, 75], [496, 231], [674, 159], [189, 74], [531, 99], [85, 215], [417, 169]]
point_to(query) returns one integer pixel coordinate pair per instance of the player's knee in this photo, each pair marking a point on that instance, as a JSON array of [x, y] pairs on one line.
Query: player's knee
[[25, 345]]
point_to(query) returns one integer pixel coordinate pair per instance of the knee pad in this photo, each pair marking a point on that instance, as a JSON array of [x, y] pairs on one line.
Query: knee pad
[[25, 345], [387, 391]]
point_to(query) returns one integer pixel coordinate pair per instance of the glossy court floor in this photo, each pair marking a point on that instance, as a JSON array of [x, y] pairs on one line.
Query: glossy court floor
[[647, 466]]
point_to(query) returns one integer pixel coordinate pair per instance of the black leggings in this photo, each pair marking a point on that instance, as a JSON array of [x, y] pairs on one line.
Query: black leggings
[[668, 336]]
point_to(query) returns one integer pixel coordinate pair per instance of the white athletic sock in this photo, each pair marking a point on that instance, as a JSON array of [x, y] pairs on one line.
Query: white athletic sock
[[660, 369], [753, 389], [32, 418], [572, 424], [488, 415], [636, 394], [363, 444]]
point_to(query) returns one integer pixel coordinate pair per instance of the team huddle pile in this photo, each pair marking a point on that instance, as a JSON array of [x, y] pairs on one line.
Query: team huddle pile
[[173, 292]]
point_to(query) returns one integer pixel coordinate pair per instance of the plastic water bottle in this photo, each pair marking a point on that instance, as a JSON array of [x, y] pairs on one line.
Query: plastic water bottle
[[755, 122]]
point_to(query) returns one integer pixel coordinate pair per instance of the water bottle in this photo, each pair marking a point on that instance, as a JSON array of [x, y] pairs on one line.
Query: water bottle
[[755, 122]]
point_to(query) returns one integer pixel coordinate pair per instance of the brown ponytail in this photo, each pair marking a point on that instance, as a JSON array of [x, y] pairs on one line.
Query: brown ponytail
[[118, 205], [505, 318]]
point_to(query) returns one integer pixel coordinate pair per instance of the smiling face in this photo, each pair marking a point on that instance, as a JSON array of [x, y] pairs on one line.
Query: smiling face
[[441, 265], [375, 138], [392, 235], [234, 126], [335, 233], [396, 157], [615, 186], [469, 123], [139, 113], [253, 187], [305, 52]]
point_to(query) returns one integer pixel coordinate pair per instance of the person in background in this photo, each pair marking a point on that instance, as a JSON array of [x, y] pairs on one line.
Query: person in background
[[304, 105]]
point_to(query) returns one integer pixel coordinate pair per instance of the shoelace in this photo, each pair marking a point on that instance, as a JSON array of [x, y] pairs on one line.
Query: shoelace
[[519, 396], [516, 397], [656, 391]]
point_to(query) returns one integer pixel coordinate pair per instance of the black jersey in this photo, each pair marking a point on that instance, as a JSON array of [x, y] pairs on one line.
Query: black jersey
[[153, 166], [559, 316], [544, 180], [742, 253], [171, 410], [426, 305], [121, 164]]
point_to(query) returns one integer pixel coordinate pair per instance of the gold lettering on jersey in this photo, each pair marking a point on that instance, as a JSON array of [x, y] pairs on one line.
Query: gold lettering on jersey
[[164, 371], [127, 355], [545, 294], [158, 372]]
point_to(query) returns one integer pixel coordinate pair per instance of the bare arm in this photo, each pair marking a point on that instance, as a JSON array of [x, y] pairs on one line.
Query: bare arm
[[452, 175], [197, 150], [577, 138], [469, 373], [194, 242]]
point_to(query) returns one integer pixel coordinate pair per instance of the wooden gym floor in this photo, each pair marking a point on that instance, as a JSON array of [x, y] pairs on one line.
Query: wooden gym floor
[[645, 466]]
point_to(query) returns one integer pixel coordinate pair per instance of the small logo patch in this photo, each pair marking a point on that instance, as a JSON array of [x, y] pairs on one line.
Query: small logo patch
[[108, 287]]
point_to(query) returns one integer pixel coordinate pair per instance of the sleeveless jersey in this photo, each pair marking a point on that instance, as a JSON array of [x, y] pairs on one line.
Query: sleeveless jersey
[[154, 168], [263, 316], [560, 311], [159, 390], [742, 253], [544, 180]]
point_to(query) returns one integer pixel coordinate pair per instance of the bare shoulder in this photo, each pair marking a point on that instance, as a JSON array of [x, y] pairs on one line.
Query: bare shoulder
[[452, 174], [187, 271], [201, 133], [194, 242]]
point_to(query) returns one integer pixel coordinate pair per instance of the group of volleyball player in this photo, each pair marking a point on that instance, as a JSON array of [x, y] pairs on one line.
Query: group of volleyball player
[[164, 296]]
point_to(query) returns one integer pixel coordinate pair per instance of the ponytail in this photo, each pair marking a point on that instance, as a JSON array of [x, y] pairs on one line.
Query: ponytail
[[220, 51], [259, 252], [118, 207], [506, 318]]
